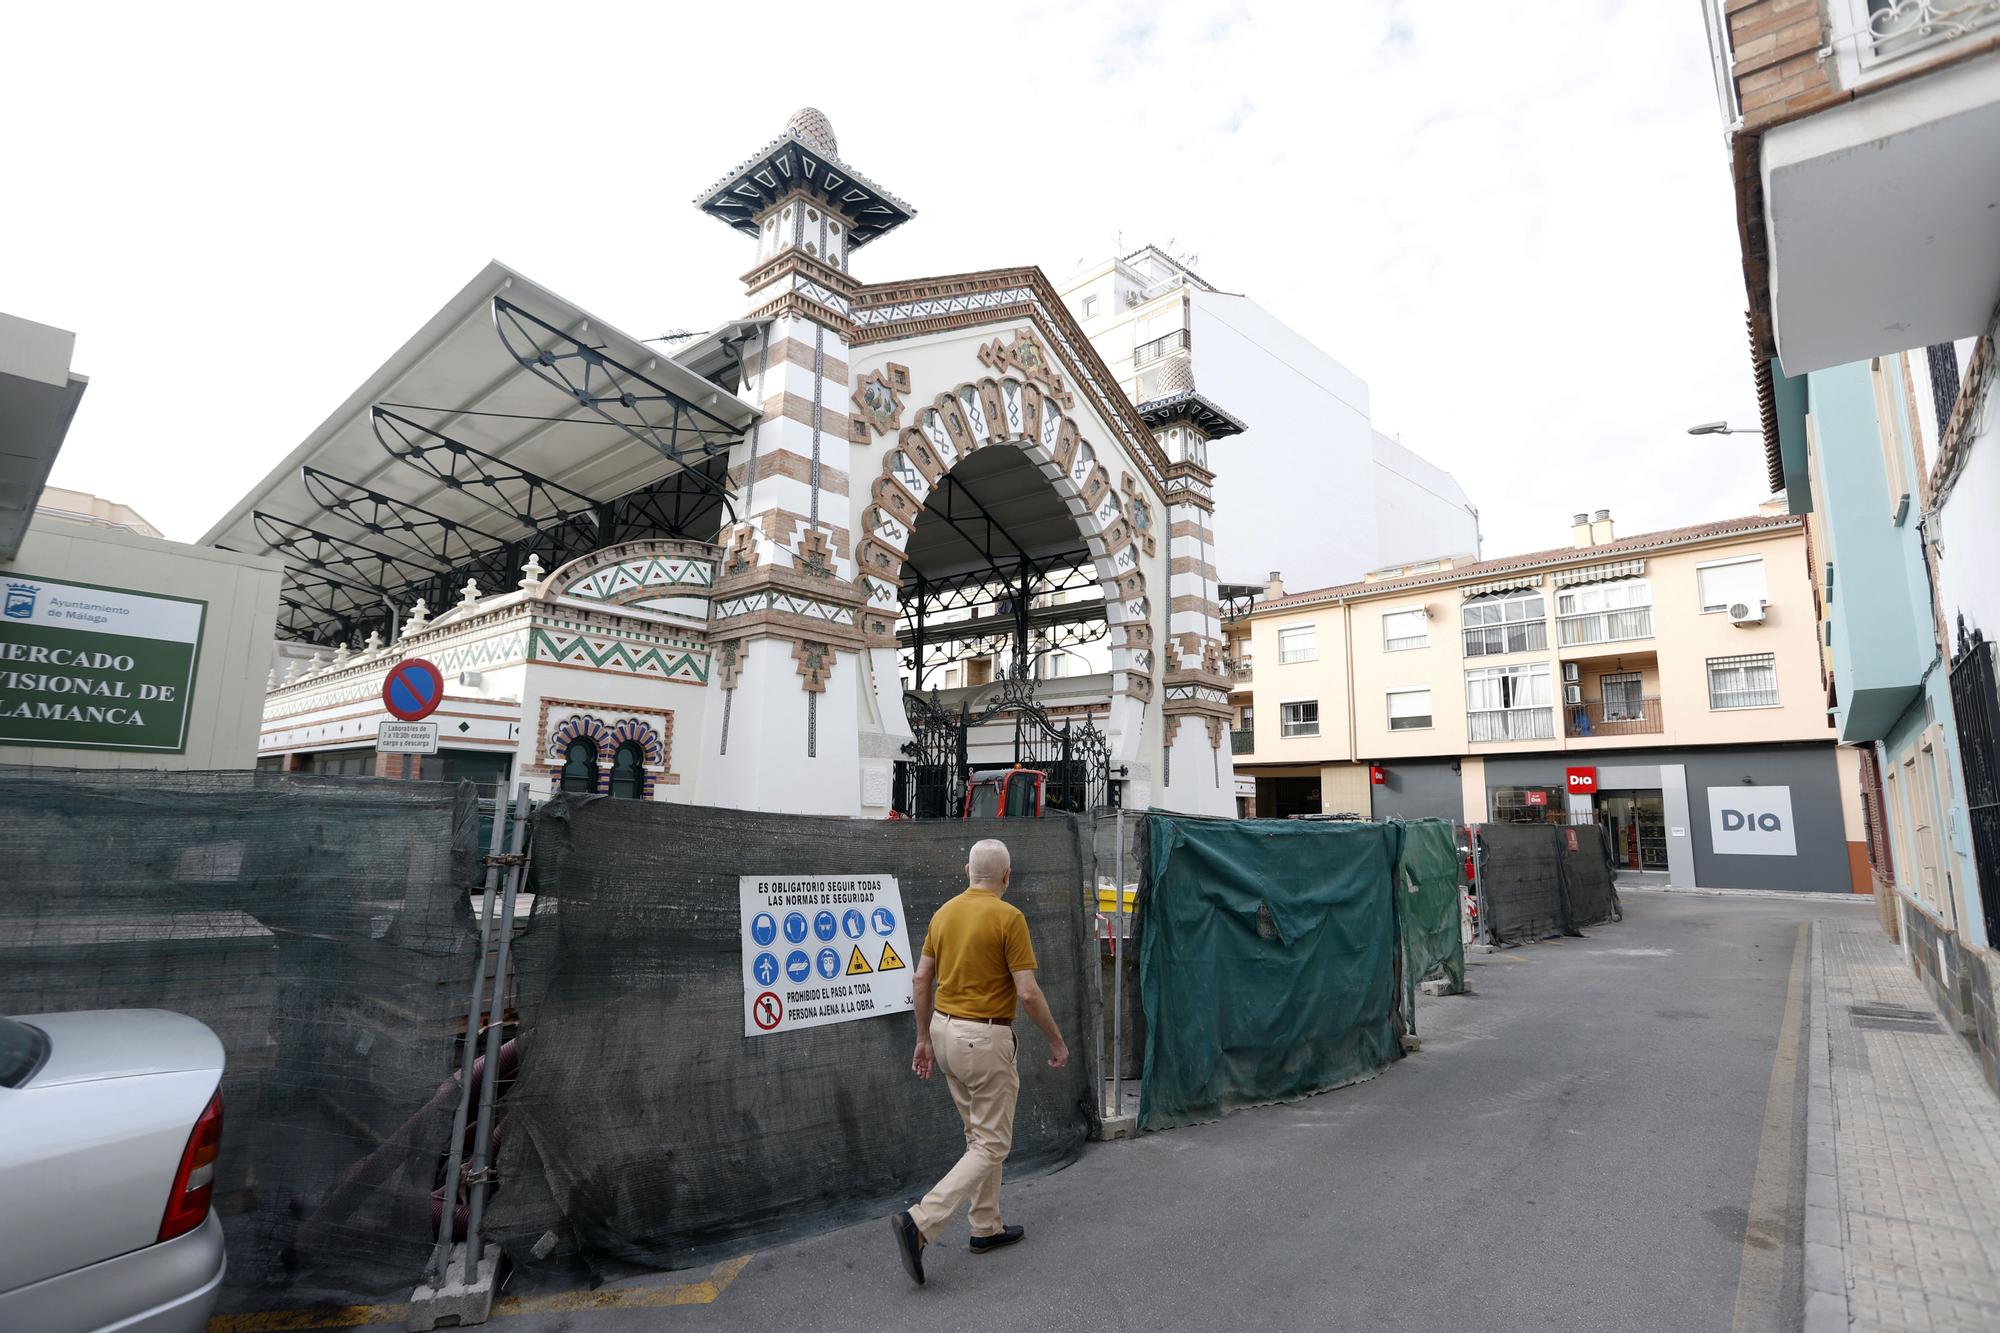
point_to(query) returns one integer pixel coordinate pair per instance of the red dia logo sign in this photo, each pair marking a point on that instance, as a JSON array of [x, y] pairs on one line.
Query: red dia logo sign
[[1582, 781]]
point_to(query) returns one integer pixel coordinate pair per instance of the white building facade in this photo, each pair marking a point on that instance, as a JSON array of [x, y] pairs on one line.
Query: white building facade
[[1309, 446]]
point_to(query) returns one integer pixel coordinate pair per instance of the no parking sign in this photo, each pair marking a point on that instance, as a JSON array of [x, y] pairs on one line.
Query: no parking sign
[[821, 949]]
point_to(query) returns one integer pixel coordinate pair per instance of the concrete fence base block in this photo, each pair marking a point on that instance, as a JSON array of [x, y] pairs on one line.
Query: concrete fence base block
[[1117, 1127], [458, 1303], [1411, 1042], [1437, 986]]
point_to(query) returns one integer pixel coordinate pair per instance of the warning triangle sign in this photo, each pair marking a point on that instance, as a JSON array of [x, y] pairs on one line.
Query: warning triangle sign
[[891, 960], [856, 965]]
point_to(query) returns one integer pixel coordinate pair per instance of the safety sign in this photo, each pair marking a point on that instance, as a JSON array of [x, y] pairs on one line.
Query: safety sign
[[844, 942]]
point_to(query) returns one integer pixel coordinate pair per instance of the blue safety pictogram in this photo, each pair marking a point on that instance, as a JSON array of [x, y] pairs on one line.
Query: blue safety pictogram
[[829, 963], [766, 969], [795, 927], [854, 924], [824, 925], [797, 966], [885, 921], [762, 928]]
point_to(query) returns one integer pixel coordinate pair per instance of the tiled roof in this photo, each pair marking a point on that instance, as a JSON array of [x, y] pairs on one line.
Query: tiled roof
[[1561, 555]]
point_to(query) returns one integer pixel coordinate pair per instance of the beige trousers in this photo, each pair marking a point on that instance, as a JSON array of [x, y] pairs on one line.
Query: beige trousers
[[979, 1068]]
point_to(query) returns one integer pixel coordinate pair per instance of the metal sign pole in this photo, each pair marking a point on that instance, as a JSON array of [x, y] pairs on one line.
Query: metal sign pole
[[1118, 970], [483, 1136], [442, 1259]]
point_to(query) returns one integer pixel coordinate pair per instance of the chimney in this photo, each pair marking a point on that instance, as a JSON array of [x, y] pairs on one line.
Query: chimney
[[1600, 528], [1579, 531], [1274, 587]]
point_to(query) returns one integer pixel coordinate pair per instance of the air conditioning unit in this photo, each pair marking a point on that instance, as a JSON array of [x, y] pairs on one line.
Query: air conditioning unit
[[1746, 613], [1572, 694], [1134, 297], [1572, 672]]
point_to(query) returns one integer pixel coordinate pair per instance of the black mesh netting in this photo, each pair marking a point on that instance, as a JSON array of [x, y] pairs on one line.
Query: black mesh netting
[[319, 928], [1520, 882], [1587, 869], [648, 1130], [1538, 880]]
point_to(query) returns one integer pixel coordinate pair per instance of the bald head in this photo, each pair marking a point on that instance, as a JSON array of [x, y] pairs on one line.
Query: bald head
[[989, 866]]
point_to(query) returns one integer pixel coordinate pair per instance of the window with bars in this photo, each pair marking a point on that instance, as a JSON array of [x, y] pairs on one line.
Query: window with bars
[[1404, 629], [1300, 718], [1507, 623], [1409, 710], [1746, 681], [1624, 695], [1300, 643]]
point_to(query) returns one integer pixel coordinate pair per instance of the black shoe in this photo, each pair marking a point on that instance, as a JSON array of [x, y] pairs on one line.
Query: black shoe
[[1004, 1236], [910, 1244]]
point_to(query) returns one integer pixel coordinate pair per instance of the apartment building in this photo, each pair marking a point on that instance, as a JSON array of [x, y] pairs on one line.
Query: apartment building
[[1864, 142], [1666, 685], [1307, 443]]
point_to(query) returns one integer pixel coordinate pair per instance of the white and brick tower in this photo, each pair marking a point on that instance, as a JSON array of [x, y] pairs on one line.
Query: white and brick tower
[[788, 645], [1196, 774]]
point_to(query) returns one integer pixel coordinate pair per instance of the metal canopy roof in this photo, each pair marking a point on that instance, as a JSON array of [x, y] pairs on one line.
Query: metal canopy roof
[[511, 414], [988, 514]]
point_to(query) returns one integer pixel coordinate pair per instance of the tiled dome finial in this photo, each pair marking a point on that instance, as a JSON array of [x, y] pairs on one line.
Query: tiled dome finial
[[811, 126], [1177, 376]]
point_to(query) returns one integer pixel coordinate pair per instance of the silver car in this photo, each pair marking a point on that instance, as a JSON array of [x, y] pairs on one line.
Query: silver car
[[110, 1126]]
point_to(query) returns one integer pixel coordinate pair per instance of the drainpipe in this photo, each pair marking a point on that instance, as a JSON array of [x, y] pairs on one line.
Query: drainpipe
[[1347, 662], [395, 621]]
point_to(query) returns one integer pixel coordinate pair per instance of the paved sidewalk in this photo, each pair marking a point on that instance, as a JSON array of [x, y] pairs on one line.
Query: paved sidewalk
[[1915, 1145]]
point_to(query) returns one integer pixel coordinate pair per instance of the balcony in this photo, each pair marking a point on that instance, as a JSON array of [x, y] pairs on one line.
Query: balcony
[[1605, 626], [1597, 719], [1497, 725], [1239, 671], [1147, 352], [1242, 742], [1868, 143]]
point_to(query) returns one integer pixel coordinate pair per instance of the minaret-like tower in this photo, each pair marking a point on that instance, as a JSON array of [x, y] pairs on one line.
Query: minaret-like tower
[[1196, 774], [786, 625]]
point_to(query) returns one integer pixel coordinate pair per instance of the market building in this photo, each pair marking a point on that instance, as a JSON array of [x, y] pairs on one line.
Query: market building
[[1665, 685], [118, 649], [705, 573]]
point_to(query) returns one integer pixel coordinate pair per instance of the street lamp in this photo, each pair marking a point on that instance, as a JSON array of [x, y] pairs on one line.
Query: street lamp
[[1721, 428]]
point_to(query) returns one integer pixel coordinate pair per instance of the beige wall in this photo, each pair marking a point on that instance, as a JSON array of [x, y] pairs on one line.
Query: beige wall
[[1673, 664], [242, 596]]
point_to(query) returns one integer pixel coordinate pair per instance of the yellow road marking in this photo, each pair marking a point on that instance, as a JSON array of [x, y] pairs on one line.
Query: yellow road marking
[[1760, 1278], [704, 1292]]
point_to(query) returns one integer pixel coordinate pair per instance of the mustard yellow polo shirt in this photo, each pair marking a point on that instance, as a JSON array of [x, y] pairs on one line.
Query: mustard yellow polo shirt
[[979, 940]]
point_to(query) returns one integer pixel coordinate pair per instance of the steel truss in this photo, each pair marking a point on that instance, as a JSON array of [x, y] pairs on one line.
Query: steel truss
[[614, 391], [512, 492]]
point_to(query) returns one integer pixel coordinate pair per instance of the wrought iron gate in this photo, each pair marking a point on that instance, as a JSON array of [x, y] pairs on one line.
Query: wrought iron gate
[[1077, 759], [1975, 698]]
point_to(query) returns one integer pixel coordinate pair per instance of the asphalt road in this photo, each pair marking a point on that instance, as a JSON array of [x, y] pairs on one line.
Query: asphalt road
[[1573, 1148]]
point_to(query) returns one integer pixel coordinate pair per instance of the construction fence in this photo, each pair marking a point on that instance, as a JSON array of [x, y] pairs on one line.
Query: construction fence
[[327, 930], [1540, 880]]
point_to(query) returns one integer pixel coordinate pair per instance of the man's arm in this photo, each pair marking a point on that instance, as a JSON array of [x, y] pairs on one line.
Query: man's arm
[[1029, 992], [921, 994]]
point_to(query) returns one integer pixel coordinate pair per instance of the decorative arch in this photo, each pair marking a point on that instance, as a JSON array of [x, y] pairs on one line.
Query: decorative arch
[[637, 572], [608, 737], [1006, 411]]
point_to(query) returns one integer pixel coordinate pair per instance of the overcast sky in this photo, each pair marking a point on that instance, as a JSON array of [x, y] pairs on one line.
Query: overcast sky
[[1514, 223]]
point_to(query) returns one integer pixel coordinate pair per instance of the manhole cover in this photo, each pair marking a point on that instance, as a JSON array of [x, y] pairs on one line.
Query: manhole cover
[[1893, 1018]]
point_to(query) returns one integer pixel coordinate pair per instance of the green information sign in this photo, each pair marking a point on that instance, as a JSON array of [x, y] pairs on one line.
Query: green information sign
[[95, 668]]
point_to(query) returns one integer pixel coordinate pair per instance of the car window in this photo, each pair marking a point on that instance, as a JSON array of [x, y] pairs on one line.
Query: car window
[[22, 1050]]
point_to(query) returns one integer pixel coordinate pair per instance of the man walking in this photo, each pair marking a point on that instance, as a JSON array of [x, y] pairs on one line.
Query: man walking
[[978, 954]]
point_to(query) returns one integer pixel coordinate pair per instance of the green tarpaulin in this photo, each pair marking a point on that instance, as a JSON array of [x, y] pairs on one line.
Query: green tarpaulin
[[1427, 892], [1267, 963]]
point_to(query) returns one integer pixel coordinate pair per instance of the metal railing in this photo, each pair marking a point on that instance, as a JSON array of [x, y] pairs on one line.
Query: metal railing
[[1904, 27], [1176, 341], [1627, 717], [1634, 622], [1240, 670], [1242, 742], [1511, 724]]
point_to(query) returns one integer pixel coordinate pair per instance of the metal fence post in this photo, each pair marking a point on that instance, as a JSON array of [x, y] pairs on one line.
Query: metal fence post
[[495, 844], [1118, 969], [488, 1084], [1097, 922]]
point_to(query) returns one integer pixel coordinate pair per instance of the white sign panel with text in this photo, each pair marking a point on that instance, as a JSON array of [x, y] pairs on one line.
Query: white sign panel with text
[[821, 949], [1751, 821]]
